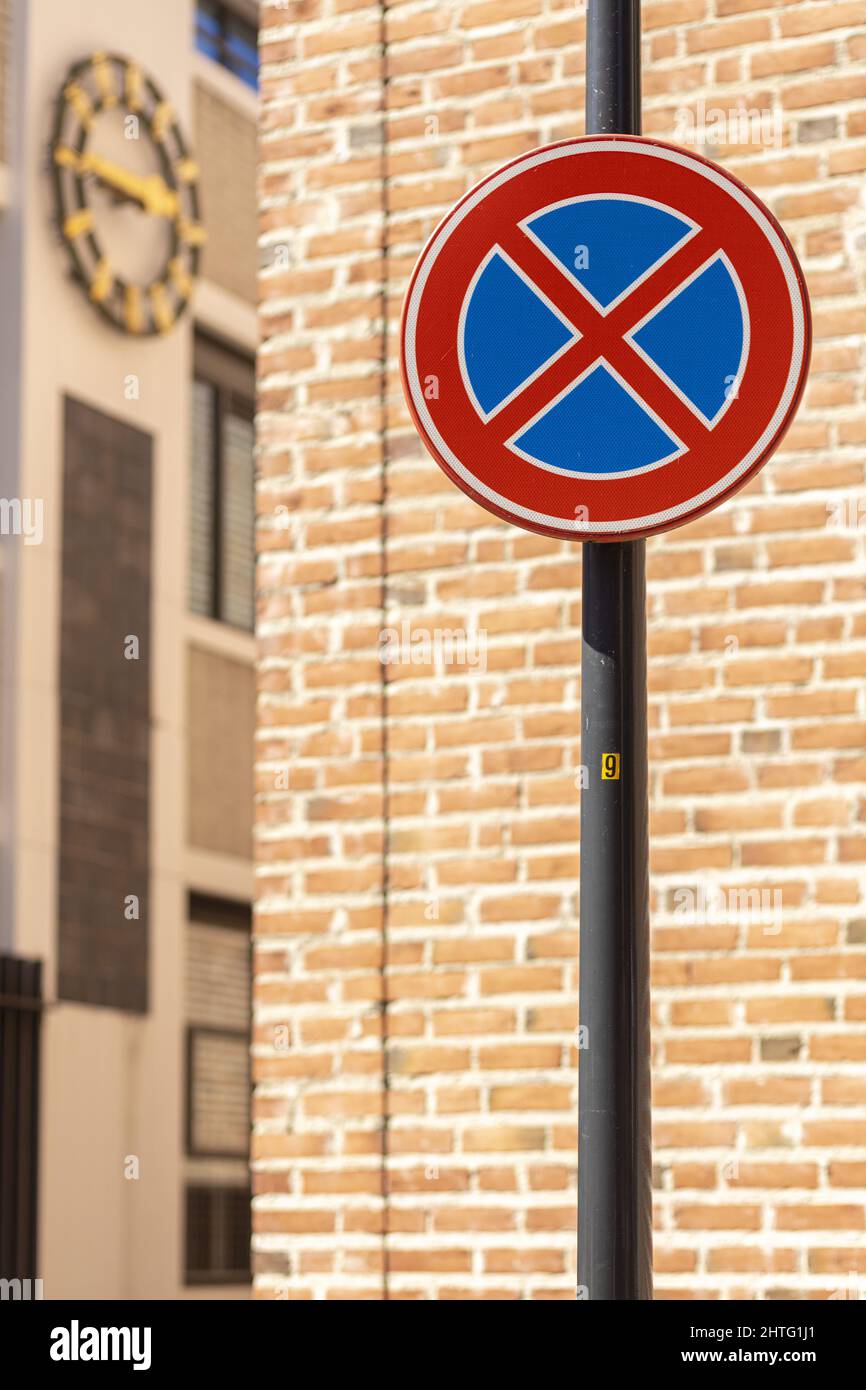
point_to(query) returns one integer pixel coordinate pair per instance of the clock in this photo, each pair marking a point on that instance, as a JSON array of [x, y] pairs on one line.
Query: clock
[[126, 194]]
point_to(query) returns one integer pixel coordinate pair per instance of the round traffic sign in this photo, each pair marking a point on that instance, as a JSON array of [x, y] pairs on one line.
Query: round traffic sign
[[605, 338]]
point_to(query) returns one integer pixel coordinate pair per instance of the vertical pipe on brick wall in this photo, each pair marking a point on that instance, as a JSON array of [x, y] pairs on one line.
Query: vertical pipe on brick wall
[[614, 1160]]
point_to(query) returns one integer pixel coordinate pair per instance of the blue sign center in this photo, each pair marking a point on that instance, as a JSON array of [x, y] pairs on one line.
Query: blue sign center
[[695, 339]]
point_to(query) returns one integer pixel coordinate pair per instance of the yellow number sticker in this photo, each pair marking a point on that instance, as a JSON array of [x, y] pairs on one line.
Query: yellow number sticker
[[610, 767]]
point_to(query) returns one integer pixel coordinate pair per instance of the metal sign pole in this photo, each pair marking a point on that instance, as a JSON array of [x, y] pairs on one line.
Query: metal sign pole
[[614, 1159]]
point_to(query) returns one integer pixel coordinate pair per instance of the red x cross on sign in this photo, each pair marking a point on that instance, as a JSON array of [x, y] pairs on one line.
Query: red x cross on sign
[[603, 335]]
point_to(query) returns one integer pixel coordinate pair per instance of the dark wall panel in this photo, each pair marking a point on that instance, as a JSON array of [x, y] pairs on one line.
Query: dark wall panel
[[104, 710], [20, 1017]]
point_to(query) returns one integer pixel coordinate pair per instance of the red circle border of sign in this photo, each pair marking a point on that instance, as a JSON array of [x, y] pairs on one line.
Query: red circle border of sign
[[575, 530]]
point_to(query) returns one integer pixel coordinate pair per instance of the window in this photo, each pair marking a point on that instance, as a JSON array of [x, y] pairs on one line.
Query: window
[[217, 1188], [222, 517], [218, 1092], [217, 1234], [229, 38]]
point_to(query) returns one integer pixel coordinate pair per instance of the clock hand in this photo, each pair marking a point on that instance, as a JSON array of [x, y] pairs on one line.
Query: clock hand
[[158, 198], [150, 190]]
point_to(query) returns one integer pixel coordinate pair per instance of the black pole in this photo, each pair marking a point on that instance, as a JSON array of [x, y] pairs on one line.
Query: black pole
[[614, 1161]]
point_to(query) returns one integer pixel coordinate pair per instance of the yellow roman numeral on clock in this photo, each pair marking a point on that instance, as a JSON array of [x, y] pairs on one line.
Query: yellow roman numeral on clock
[[103, 279], [163, 316], [133, 87], [162, 118], [104, 78], [78, 222], [79, 101], [180, 277], [186, 170], [133, 314], [192, 233]]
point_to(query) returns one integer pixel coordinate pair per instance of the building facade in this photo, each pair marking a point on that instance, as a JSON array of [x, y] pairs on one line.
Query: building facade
[[415, 977], [127, 691]]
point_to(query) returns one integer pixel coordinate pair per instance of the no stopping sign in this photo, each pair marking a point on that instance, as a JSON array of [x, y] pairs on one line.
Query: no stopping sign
[[605, 338]]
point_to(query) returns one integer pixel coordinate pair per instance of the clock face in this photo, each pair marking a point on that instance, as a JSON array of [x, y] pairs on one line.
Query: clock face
[[126, 194]]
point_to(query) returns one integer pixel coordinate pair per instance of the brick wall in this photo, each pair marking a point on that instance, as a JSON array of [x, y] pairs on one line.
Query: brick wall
[[416, 929]]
